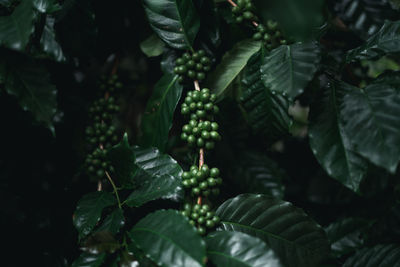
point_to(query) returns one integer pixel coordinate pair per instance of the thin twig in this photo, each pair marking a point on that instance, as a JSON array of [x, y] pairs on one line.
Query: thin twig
[[99, 185], [232, 3], [201, 152]]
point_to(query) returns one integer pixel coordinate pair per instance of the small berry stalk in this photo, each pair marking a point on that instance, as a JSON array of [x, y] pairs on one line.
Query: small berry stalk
[[201, 133]]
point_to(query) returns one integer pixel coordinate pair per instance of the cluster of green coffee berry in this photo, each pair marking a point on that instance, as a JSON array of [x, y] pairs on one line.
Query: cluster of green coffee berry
[[244, 10], [270, 35], [97, 163], [203, 181], [109, 84], [201, 217], [101, 114], [201, 131], [101, 134], [192, 66]]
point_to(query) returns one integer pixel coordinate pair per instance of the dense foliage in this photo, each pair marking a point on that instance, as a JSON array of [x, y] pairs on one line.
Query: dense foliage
[[200, 133]]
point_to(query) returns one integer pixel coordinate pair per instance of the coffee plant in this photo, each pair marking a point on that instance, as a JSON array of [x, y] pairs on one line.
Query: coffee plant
[[200, 133]]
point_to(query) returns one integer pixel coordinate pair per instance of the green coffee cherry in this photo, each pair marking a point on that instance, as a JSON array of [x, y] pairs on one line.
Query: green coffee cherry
[[200, 182], [192, 66]]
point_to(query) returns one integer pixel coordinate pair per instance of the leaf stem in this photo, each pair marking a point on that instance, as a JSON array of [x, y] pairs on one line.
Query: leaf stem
[[115, 189]]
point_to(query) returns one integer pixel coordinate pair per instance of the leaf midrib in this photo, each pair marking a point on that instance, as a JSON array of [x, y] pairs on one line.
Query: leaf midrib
[[262, 231], [184, 33], [334, 104]]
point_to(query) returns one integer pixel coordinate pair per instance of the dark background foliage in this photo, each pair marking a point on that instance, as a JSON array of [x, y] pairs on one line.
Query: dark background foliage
[[41, 176]]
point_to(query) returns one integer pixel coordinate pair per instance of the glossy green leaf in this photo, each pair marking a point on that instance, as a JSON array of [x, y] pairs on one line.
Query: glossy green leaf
[[289, 68], [267, 113], [30, 83], [140, 256], [169, 240], [7, 3], [331, 144], [159, 176], [345, 235], [370, 117], [152, 46], [100, 242], [386, 41], [236, 249], [113, 222], [89, 260], [168, 60], [175, 22], [48, 41], [377, 256], [89, 209], [364, 17], [122, 158], [256, 173], [157, 119], [46, 6], [210, 31], [231, 65], [298, 19], [17, 28], [295, 238]]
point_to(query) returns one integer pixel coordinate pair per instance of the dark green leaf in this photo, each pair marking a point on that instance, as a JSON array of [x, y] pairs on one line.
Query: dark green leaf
[[113, 222], [231, 65], [168, 238], [46, 6], [175, 22], [289, 68], [7, 3], [100, 242], [256, 173], [297, 239], [159, 176], [30, 84], [168, 60], [378, 256], [345, 235], [364, 17], [210, 33], [370, 117], [386, 41], [78, 31], [17, 28], [89, 260], [89, 209], [157, 119], [152, 46], [299, 19], [331, 144], [236, 249], [122, 158], [48, 41], [140, 256], [267, 113]]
